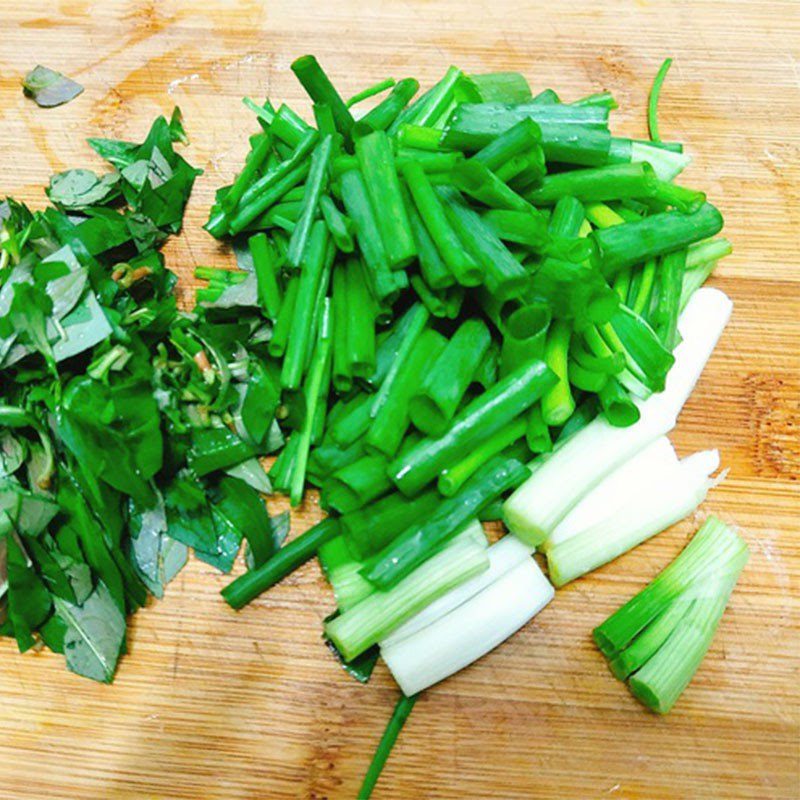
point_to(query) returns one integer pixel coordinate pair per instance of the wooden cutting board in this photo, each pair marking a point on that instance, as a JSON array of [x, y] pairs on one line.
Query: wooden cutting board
[[218, 705]]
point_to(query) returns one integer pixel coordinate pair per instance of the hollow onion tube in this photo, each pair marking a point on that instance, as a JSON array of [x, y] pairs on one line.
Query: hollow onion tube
[[618, 407], [582, 145], [470, 630], [432, 408], [300, 332], [419, 138], [369, 529], [433, 269], [458, 262], [473, 125], [417, 543], [507, 399], [360, 321], [376, 161], [387, 111], [529, 229], [342, 363], [624, 245], [478, 181], [656, 502], [612, 182], [395, 350], [658, 639], [452, 478], [504, 276], [366, 623], [359, 209], [521, 139], [504, 555], [615, 490], [432, 105], [255, 159], [396, 722], [505, 87], [339, 226], [557, 402], [537, 434], [521, 171], [326, 458], [247, 587], [580, 463], [524, 336], [357, 484], [321, 91], [370, 91], [390, 343], [274, 184], [266, 270], [286, 125], [391, 421]]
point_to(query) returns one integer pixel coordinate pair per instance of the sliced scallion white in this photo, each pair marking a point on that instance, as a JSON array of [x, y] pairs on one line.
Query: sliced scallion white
[[503, 556], [561, 479], [616, 490], [377, 615], [656, 502], [469, 631]]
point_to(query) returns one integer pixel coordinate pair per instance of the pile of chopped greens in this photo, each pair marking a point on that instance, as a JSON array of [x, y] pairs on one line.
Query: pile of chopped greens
[[128, 431], [476, 304], [466, 287]]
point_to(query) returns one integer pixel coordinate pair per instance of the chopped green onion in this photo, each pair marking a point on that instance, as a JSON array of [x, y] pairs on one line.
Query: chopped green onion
[[577, 466], [471, 629], [658, 639], [432, 408], [507, 399], [377, 615], [377, 163], [321, 91], [292, 555]]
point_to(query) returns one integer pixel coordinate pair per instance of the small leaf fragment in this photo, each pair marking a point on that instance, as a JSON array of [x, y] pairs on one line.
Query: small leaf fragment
[[49, 88]]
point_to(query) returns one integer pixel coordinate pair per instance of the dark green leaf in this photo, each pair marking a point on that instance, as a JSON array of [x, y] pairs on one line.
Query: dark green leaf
[[95, 635], [29, 601]]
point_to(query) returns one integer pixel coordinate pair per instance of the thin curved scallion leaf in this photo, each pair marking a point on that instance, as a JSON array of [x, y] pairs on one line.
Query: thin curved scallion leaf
[[652, 103]]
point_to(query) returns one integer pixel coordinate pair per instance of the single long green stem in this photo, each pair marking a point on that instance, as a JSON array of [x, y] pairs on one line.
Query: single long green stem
[[396, 723]]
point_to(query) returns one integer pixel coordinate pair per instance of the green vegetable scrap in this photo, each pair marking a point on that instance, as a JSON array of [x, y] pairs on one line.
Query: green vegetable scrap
[[48, 88], [658, 639], [128, 430]]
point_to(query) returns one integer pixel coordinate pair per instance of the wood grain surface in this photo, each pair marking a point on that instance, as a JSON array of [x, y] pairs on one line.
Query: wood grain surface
[[218, 705]]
